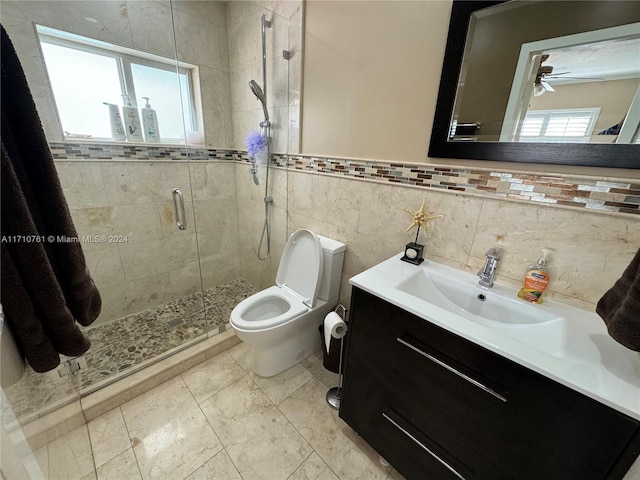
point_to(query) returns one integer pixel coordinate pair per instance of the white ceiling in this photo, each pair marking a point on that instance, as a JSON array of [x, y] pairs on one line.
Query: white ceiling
[[610, 59]]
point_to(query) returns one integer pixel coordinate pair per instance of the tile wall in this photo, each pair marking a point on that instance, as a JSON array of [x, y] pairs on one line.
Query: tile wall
[[139, 258], [283, 80], [361, 203], [283, 76]]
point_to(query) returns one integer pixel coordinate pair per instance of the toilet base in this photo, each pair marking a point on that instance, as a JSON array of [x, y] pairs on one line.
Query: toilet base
[[270, 359]]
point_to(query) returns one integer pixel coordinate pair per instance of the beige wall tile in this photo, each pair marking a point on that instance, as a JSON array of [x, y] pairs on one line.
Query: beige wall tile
[[185, 281], [196, 40], [143, 182], [166, 212], [333, 200], [22, 34], [82, 184], [151, 28], [157, 256], [215, 213], [468, 228], [590, 251], [134, 296], [105, 266], [112, 23]]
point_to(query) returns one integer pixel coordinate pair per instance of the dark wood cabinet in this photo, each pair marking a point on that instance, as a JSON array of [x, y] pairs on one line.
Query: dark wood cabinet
[[438, 406]]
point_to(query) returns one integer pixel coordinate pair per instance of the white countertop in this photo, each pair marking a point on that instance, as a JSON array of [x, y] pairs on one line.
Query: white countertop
[[590, 361]]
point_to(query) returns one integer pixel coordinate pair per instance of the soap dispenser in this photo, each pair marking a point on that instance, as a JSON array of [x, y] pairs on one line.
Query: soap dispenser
[[536, 279], [131, 121], [115, 121], [150, 123]]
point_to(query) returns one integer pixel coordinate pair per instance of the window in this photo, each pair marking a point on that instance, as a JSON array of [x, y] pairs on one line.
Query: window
[[86, 73], [559, 125]]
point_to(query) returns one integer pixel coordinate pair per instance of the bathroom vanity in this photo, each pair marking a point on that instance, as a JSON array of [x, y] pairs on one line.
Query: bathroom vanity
[[444, 388]]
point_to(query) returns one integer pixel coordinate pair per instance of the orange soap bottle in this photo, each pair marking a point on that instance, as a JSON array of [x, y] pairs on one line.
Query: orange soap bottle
[[536, 279]]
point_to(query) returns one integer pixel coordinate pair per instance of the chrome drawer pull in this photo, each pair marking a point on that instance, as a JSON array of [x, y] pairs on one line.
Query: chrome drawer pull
[[424, 447], [452, 370]]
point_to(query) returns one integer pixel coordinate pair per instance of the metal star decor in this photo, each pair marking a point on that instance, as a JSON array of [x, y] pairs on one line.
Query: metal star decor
[[420, 218]]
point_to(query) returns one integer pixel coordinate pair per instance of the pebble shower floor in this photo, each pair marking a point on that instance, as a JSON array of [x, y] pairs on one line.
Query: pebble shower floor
[[119, 345]]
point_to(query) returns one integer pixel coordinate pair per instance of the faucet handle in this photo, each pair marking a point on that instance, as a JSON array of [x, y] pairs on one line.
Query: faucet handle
[[494, 252]]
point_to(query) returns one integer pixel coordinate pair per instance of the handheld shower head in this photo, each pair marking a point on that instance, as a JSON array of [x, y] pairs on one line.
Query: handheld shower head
[[257, 91]]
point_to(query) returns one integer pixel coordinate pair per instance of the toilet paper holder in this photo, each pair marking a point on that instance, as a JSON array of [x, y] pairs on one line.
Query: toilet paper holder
[[334, 395]]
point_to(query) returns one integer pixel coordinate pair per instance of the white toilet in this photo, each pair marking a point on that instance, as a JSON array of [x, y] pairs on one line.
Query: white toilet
[[280, 324]]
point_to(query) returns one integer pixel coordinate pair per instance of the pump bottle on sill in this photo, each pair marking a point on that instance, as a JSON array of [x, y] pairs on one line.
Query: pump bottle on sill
[[536, 279], [150, 123], [115, 120], [132, 124]]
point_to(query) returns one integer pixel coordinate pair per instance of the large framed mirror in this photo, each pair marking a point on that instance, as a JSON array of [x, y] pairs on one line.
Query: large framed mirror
[[554, 82]]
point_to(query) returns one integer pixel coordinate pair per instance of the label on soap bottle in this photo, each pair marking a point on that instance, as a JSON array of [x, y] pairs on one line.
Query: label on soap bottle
[[535, 283]]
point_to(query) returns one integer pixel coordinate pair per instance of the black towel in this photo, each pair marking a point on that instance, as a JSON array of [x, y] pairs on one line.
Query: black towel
[[620, 307], [46, 286]]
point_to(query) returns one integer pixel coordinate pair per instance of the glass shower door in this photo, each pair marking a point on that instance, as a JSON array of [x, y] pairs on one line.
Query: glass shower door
[[130, 200]]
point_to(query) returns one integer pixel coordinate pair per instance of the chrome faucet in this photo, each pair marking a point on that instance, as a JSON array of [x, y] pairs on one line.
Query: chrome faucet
[[490, 267]]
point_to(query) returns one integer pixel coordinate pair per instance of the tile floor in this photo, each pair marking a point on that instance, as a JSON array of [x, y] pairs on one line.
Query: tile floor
[[220, 421]]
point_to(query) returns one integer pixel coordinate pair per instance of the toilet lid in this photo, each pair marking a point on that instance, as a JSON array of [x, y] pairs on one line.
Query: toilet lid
[[300, 267]]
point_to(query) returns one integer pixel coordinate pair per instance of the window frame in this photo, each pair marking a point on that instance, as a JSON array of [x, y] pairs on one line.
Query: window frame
[[124, 58], [548, 114]]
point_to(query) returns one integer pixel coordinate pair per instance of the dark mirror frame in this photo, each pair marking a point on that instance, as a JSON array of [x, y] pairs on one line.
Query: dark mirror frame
[[583, 154]]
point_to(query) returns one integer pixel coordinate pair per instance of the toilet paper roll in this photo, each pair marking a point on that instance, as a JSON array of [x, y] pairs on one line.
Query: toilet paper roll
[[334, 327]]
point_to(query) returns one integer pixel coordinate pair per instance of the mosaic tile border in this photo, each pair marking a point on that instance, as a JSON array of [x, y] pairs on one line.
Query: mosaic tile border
[[111, 151], [612, 195]]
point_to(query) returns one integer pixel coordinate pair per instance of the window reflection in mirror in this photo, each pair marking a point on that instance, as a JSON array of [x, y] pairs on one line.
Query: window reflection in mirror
[[548, 64], [86, 74]]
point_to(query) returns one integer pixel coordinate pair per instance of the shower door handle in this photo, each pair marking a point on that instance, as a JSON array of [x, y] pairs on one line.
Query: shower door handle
[[181, 219]]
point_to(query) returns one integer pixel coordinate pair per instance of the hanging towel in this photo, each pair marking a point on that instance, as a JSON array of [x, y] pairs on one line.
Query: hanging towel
[[620, 307], [46, 286]]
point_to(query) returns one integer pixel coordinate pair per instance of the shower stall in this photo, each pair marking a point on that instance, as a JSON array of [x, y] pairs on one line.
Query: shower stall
[[171, 230]]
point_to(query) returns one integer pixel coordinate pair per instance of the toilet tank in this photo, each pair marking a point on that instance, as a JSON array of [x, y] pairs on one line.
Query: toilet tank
[[332, 259]]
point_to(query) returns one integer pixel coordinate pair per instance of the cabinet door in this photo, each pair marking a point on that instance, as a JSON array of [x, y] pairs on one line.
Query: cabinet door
[[489, 415]]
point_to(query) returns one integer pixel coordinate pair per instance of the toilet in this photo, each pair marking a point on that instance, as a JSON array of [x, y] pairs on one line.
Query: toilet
[[280, 324]]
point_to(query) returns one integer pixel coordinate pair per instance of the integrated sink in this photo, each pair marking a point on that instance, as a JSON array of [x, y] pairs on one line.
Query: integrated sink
[[564, 343], [497, 308]]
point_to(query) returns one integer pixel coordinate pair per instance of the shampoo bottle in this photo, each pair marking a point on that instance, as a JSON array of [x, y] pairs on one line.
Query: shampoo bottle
[[131, 121], [115, 120], [536, 279], [150, 123]]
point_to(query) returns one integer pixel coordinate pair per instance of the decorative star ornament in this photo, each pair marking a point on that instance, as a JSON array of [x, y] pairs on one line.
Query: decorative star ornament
[[420, 218]]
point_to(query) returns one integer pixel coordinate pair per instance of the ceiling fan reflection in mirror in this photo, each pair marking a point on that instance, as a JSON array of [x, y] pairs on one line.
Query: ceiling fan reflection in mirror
[[545, 74]]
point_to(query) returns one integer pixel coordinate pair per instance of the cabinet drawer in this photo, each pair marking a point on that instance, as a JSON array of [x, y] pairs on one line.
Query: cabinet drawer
[[389, 426], [488, 413], [408, 354]]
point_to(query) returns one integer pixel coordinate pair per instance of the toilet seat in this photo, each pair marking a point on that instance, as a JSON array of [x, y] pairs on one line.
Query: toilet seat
[[296, 289], [267, 309], [300, 268]]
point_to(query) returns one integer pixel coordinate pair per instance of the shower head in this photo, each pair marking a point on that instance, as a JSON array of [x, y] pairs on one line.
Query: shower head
[[257, 91]]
